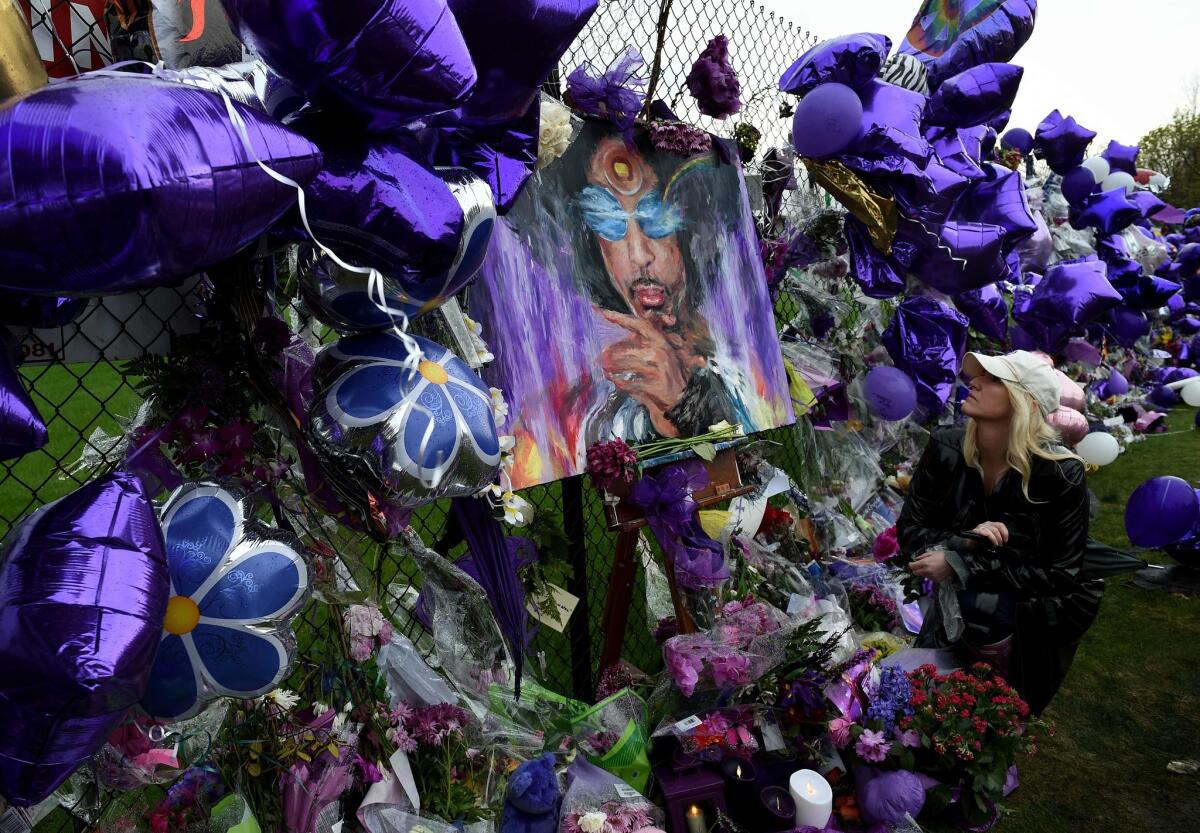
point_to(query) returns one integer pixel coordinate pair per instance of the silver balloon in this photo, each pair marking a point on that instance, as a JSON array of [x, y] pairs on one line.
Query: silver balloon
[[413, 435], [342, 299]]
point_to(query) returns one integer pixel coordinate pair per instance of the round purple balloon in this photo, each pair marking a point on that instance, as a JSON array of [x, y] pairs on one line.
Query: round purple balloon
[[109, 184], [1161, 512], [1078, 185], [827, 120], [83, 592], [1018, 138], [1118, 385], [1164, 397], [890, 393]]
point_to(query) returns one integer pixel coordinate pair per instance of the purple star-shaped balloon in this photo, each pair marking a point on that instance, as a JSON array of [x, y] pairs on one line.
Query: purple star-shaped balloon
[[1122, 157], [975, 96], [1062, 142], [1107, 212]]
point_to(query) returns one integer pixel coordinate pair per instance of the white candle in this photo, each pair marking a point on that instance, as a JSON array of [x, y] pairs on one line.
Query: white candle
[[695, 820], [814, 799]]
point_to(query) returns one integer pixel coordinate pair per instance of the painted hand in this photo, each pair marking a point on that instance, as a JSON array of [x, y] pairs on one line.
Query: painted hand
[[647, 366]]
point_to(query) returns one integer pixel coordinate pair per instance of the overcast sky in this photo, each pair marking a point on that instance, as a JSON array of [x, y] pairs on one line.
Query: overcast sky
[[1120, 67]]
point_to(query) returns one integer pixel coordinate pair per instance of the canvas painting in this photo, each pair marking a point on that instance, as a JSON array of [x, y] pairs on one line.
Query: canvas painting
[[623, 297]]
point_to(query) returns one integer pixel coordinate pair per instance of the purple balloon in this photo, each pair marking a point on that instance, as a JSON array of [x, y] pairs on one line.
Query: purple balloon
[[1118, 385], [515, 45], [426, 230], [878, 275], [827, 120], [890, 393], [1176, 374], [1077, 185], [1107, 212], [1018, 138], [986, 309], [22, 429], [979, 31], [887, 797], [975, 96], [1062, 142], [392, 61], [1161, 512], [891, 123], [926, 339], [852, 60], [1122, 157], [1126, 325], [1036, 250], [1082, 351], [502, 155], [26, 310], [1147, 203], [170, 188], [1072, 294], [1164, 397], [83, 592], [1175, 304]]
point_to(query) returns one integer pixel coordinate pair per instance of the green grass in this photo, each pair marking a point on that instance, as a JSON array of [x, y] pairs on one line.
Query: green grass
[[1130, 705]]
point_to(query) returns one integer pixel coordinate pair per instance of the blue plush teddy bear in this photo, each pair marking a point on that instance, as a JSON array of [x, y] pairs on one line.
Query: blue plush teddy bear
[[532, 801]]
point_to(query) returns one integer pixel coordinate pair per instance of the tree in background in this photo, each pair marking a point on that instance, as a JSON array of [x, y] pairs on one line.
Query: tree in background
[[1174, 149]]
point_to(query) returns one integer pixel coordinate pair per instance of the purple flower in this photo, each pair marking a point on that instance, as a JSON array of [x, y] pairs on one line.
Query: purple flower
[[872, 746], [839, 732], [908, 738], [685, 670], [729, 670], [679, 138], [713, 82], [433, 725], [892, 698]]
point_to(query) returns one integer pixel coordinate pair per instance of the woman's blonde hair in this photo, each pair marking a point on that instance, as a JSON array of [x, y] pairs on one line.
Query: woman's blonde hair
[[1029, 436]]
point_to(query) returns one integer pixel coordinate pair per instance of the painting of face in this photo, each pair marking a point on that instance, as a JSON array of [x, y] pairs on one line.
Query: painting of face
[[624, 297]]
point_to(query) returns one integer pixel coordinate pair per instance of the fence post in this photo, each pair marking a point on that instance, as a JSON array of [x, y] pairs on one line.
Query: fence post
[[575, 528]]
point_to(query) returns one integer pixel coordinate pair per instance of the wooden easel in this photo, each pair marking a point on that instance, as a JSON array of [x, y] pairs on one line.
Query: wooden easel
[[626, 518]]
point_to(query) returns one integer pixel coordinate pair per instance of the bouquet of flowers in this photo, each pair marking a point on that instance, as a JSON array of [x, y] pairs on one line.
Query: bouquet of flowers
[[735, 652], [873, 608], [599, 802]]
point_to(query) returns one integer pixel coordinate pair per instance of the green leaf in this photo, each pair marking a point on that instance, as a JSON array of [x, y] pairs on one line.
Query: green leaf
[[705, 451]]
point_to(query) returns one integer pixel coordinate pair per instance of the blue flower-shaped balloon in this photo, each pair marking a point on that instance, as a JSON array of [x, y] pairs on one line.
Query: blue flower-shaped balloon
[[418, 435], [235, 584]]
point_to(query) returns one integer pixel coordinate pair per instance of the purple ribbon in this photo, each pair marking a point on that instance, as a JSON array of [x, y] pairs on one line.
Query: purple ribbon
[[666, 499]]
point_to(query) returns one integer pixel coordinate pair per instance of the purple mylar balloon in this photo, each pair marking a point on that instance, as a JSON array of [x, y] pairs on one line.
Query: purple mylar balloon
[[1107, 212], [1151, 292], [22, 429], [1072, 294], [1082, 351], [393, 61], [1062, 142], [1071, 425], [1118, 385], [515, 45], [1000, 201], [1161, 512], [852, 60], [891, 123], [1164, 397], [426, 230], [890, 393], [886, 798], [986, 309], [1122, 157], [1126, 325], [827, 120], [926, 339], [975, 96], [1036, 250], [951, 37], [960, 150], [147, 180], [27, 310], [502, 155], [1148, 204], [878, 275], [1077, 185], [1018, 138], [83, 591]]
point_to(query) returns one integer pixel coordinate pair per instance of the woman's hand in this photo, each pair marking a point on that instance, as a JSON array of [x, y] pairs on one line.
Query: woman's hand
[[932, 565], [994, 531]]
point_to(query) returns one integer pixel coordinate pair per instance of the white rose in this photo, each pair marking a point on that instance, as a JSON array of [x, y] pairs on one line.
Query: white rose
[[555, 133], [593, 822]]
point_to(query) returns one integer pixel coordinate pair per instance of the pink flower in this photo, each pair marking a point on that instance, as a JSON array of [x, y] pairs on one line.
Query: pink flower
[[839, 732], [908, 738], [367, 626], [872, 747], [886, 545], [685, 669], [729, 670]]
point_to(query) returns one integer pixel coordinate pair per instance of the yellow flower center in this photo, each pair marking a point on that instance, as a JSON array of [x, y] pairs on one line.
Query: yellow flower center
[[433, 371], [182, 615]]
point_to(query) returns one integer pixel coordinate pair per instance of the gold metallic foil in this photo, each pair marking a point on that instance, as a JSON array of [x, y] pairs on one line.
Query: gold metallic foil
[[877, 213], [21, 69]]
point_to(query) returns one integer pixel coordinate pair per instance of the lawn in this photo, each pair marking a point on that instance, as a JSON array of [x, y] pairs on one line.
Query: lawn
[[1131, 704]]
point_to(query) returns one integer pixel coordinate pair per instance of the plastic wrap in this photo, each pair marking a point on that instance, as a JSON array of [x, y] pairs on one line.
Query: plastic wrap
[[598, 800], [746, 641], [387, 818], [715, 733], [409, 677], [612, 734]]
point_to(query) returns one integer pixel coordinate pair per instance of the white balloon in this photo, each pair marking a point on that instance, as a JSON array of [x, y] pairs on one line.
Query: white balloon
[[1099, 167], [1098, 448], [1119, 180], [1191, 393]]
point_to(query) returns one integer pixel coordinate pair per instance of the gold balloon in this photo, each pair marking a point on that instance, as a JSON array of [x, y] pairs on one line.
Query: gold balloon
[[878, 213], [21, 70]]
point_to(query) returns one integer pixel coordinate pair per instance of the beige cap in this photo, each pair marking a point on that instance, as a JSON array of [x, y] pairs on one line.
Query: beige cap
[[1027, 370]]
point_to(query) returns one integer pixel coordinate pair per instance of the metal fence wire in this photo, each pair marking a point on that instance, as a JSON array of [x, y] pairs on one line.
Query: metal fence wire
[[79, 379]]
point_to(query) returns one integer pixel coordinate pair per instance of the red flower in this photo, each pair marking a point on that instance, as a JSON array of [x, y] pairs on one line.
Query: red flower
[[773, 518]]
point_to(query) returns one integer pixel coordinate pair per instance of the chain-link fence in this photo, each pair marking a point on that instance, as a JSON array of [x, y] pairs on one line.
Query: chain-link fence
[[79, 378]]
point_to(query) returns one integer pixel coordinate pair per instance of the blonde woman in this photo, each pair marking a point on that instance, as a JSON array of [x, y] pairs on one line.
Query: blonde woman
[[997, 516]]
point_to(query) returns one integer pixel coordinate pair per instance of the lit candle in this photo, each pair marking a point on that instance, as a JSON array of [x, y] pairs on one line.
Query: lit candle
[[813, 797], [695, 820], [779, 807]]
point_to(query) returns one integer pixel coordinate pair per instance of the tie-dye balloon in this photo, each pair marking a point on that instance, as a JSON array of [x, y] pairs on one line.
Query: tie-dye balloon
[[950, 36]]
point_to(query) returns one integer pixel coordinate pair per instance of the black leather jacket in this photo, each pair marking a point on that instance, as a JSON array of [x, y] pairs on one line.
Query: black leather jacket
[[1039, 567]]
